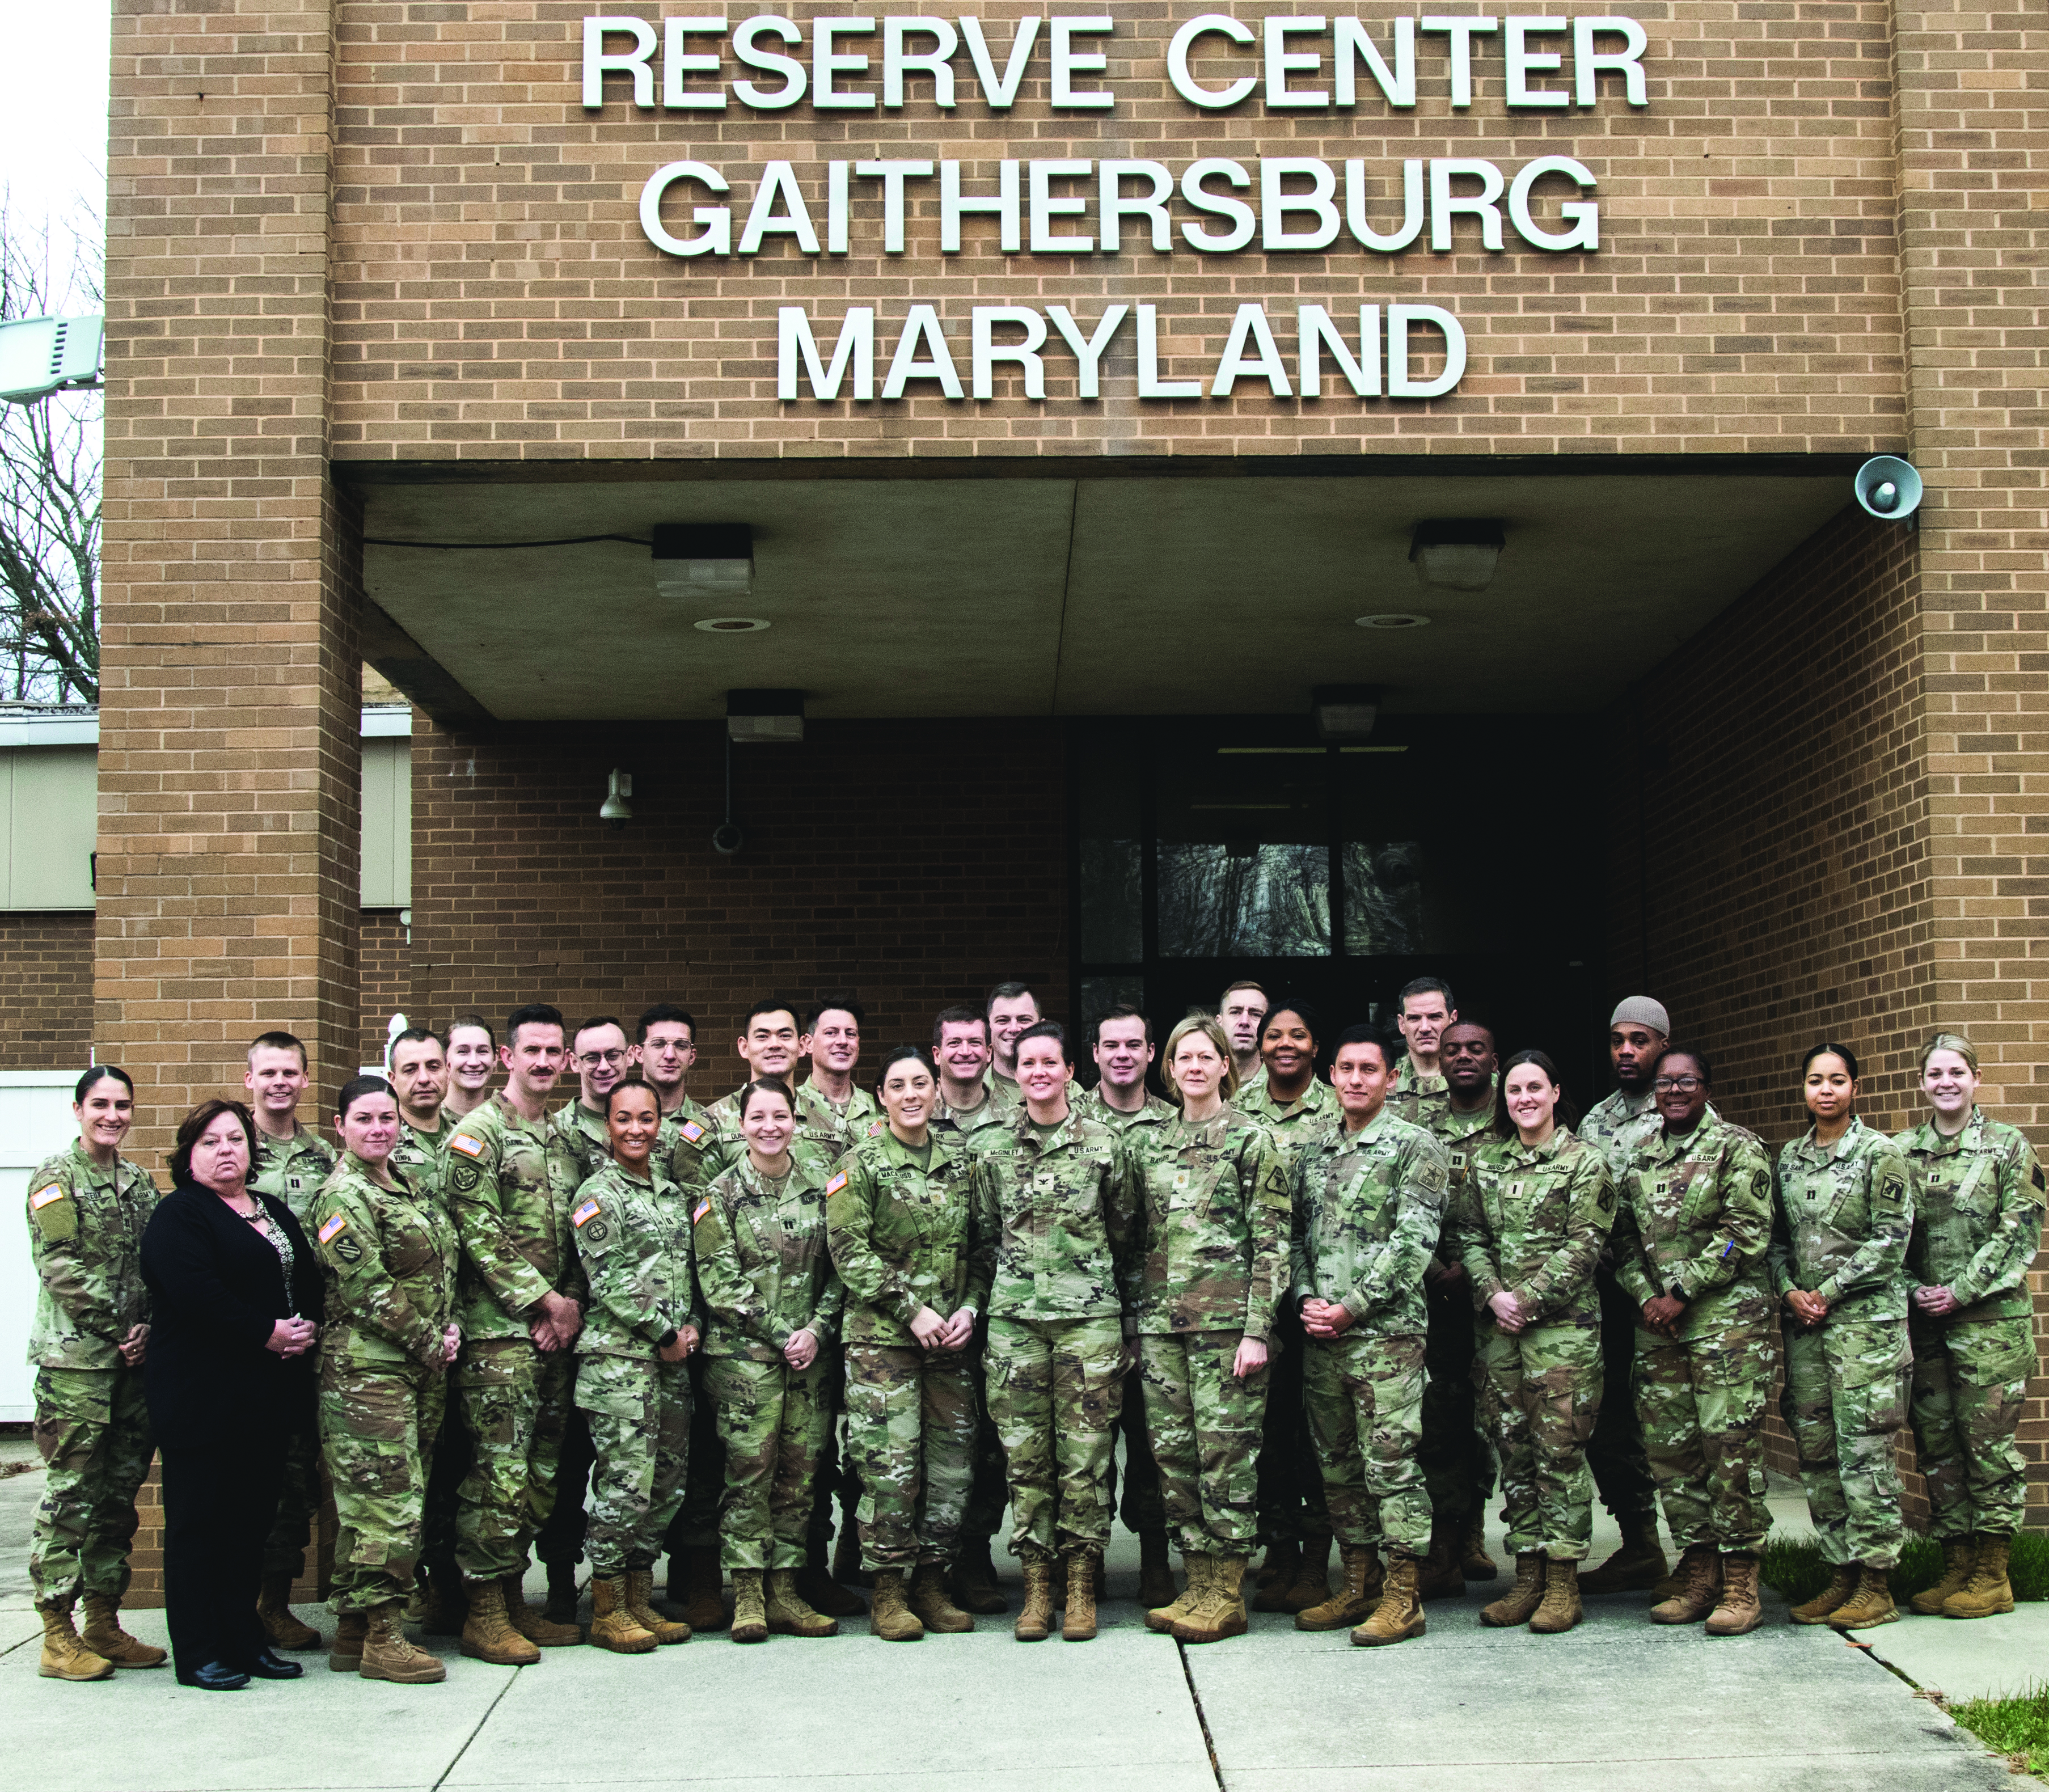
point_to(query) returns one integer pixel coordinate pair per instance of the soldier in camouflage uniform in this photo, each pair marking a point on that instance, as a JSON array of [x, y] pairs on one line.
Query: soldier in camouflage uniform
[[1532, 1218], [900, 1226], [1423, 1010], [773, 1300], [86, 1208], [519, 1304], [1839, 1242], [1693, 1228], [1978, 1223], [390, 1252], [291, 1162], [631, 1227], [1202, 1289], [1243, 1009], [1368, 1208]]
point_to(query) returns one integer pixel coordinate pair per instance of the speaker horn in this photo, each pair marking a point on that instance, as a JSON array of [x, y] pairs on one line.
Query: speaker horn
[[1888, 488]]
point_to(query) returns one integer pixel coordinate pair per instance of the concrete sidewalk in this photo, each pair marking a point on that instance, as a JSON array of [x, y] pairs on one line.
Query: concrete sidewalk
[[1616, 1702]]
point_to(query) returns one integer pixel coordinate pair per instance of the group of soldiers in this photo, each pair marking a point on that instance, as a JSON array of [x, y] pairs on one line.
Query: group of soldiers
[[1318, 1313]]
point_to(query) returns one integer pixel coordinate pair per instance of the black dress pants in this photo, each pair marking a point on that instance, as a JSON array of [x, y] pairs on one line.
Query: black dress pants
[[220, 1500]]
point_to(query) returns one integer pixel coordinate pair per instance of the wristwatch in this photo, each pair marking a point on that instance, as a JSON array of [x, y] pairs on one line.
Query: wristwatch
[[666, 1339], [1676, 1293]]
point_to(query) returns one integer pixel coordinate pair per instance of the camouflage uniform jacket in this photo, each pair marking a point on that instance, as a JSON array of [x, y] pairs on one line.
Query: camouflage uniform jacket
[[902, 1236], [962, 1122], [1461, 1135], [1211, 1249], [1006, 1100], [1693, 1213], [634, 1239], [832, 1129], [1621, 1123], [510, 1184], [1368, 1207], [1294, 1124], [1419, 1100], [292, 1170], [1532, 1223], [690, 1148], [582, 1134], [765, 1270], [390, 1256], [1062, 1212], [1977, 1214], [422, 1157], [727, 1144], [85, 1239], [1844, 1214], [1144, 1131]]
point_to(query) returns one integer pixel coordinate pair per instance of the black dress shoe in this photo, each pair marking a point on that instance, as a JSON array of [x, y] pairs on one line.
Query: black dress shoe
[[268, 1663], [215, 1677]]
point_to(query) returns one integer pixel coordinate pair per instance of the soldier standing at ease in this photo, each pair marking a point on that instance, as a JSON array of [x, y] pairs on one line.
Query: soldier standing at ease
[[419, 1077], [1368, 1207], [770, 1043], [1242, 1007], [1839, 1240], [1203, 1285], [1693, 1227], [291, 1162], [1977, 1224], [1011, 1009], [631, 1226], [86, 1209], [389, 1249], [665, 1052], [520, 1307], [472, 1054], [772, 1303], [1423, 1009], [1533, 1216]]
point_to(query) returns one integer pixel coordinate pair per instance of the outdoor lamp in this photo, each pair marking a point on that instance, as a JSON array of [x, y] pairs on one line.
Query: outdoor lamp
[[1457, 554], [615, 808]]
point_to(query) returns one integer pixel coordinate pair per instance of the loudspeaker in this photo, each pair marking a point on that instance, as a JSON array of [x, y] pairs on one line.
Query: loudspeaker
[[1888, 488]]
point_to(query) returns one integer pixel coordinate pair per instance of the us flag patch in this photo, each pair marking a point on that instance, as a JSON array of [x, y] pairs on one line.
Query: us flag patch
[[467, 1145], [43, 1197], [692, 1131], [837, 1183], [333, 1228], [699, 1211], [588, 1210]]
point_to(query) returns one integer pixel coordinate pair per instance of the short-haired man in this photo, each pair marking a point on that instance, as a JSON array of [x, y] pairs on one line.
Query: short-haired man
[[833, 1110], [1423, 1010], [418, 1063], [521, 1303], [1369, 1198], [961, 1049], [1012, 1008], [664, 1050], [598, 1054], [473, 1056], [291, 1162], [1243, 1009]]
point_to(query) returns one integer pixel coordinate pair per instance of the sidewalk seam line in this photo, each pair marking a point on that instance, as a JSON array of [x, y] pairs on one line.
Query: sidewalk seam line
[[455, 1760], [1202, 1717]]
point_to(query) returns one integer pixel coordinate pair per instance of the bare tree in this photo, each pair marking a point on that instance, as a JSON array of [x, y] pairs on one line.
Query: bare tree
[[50, 460]]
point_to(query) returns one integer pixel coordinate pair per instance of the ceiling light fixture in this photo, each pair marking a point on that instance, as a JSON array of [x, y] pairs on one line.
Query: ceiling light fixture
[[752, 715], [1457, 554], [1344, 712], [1393, 619], [616, 808], [731, 625], [703, 559]]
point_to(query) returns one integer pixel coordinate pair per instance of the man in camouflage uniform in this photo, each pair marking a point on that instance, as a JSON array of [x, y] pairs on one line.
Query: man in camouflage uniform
[[1010, 1010], [419, 1074], [1242, 1007], [1693, 1227], [770, 1044], [88, 1342], [834, 1110], [520, 1306], [665, 1049], [1423, 1009], [1059, 1196], [1369, 1198], [291, 1162]]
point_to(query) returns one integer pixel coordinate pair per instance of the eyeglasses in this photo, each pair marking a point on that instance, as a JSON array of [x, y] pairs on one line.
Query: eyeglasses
[[1686, 1085], [594, 1058]]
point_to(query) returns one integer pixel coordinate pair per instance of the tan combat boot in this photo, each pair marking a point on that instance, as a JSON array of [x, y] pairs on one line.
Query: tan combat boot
[[106, 1639], [1637, 1567], [790, 1614], [1220, 1612], [1478, 1566], [1034, 1622], [1156, 1572], [1842, 1582], [273, 1606], [386, 1654], [1078, 1612], [611, 1624], [935, 1607], [974, 1588], [345, 1653], [1277, 1576], [1312, 1578], [1560, 1609], [1700, 1579], [1988, 1593], [1399, 1616], [65, 1657], [531, 1624], [1353, 1602], [1960, 1556], [704, 1609], [486, 1635], [641, 1602], [889, 1615], [750, 1606], [1518, 1605], [1741, 1608], [561, 1607], [1161, 1619], [1442, 1572], [1870, 1606]]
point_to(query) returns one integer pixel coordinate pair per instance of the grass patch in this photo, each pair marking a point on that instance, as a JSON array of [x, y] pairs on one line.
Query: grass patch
[[1793, 1567], [2017, 1727]]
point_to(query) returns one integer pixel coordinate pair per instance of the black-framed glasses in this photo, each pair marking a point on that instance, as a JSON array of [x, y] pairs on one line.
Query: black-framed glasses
[[1686, 1085]]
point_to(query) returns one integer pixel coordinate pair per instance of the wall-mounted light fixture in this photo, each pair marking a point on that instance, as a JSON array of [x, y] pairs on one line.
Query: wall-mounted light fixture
[[1458, 552], [615, 809], [695, 560], [752, 715], [1344, 712]]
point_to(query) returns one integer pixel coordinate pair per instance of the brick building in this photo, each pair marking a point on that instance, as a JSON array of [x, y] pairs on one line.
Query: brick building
[[391, 304]]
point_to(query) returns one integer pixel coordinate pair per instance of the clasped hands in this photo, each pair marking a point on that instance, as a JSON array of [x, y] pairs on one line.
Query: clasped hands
[[934, 1333]]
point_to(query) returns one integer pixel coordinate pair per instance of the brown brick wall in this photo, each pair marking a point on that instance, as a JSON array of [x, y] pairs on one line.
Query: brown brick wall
[[45, 991], [385, 959]]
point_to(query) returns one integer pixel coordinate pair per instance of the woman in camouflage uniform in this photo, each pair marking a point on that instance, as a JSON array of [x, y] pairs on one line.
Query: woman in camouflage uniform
[[772, 1302], [389, 1249], [1202, 1290], [1977, 1195], [1839, 1264], [86, 1208], [1532, 1215]]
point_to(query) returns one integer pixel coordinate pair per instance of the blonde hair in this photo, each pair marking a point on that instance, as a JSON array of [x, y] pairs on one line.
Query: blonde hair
[[1212, 1030], [1949, 1041]]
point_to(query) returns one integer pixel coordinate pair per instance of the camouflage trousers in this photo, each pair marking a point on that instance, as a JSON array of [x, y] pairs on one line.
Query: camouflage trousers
[[1702, 1400], [300, 1495], [638, 1412], [92, 1431], [1054, 1388], [1615, 1453], [1364, 1396], [910, 1436], [775, 1422], [1292, 1509], [1845, 1398], [1204, 1425], [1542, 1391], [515, 1401], [1970, 1381], [377, 1430], [1456, 1454]]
